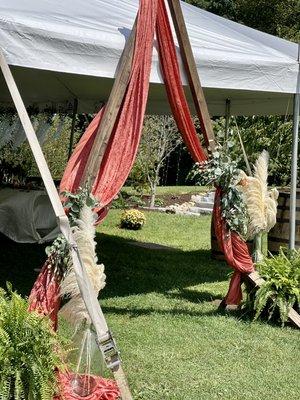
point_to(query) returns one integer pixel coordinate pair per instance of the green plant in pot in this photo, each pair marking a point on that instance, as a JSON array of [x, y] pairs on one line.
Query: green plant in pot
[[29, 351], [281, 289]]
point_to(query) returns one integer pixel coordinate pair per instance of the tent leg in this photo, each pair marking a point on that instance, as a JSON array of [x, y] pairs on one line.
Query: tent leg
[[74, 114], [105, 340], [227, 118], [293, 193]]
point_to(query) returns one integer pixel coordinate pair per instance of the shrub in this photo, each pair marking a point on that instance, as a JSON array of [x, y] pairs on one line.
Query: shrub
[[29, 351], [120, 203], [281, 290], [159, 202], [136, 201], [132, 219]]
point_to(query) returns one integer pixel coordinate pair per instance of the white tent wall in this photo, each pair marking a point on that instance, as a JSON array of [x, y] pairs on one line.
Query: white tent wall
[[65, 50]]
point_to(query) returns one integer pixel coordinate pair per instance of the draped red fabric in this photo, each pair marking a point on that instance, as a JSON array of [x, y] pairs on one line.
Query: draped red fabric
[[103, 389], [123, 143], [44, 296], [122, 147], [75, 167], [173, 84], [235, 250]]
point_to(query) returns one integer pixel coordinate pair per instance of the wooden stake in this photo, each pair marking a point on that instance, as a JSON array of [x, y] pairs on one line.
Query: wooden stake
[[113, 105], [122, 383], [192, 73]]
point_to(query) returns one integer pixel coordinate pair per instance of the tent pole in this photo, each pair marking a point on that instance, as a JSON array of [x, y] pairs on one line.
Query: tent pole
[[294, 166], [227, 117], [74, 114]]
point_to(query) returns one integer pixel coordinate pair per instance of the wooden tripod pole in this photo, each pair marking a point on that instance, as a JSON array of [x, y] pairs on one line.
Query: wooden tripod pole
[[192, 73], [111, 112]]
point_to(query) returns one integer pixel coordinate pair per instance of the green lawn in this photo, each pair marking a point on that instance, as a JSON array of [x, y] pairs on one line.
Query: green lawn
[[175, 344], [167, 190], [159, 303]]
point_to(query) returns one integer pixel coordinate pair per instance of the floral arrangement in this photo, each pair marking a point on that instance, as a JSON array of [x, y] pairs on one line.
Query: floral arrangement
[[221, 171], [132, 219]]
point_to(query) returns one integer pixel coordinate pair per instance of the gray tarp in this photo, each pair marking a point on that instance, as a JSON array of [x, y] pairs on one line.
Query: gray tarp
[[26, 216]]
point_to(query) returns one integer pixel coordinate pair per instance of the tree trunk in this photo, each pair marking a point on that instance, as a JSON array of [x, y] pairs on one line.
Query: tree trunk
[[153, 195]]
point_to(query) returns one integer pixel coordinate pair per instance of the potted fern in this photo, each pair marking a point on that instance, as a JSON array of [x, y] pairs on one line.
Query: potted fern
[[281, 289], [29, 351]]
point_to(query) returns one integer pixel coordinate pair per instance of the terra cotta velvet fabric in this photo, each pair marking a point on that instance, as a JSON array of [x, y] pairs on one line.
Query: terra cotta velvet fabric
[[235, 250]]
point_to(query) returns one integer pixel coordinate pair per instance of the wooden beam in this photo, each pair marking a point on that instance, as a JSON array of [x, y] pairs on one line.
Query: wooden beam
[[192, 73], [111, 112], [256, 281], [83, 280]]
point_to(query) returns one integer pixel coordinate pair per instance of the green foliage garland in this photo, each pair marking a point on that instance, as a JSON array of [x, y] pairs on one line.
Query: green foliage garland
[[221, 171], [75, 202]]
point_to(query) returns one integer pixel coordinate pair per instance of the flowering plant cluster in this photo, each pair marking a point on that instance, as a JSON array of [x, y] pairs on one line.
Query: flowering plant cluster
[[132, 219]]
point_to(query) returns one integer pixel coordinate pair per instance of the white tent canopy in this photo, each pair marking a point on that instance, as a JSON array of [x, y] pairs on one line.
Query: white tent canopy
[[61, 50]]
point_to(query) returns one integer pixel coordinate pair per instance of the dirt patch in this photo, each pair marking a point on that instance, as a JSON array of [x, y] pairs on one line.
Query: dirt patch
[[169, 199]]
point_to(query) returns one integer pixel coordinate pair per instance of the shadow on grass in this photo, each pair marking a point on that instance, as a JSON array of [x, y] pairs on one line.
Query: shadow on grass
[[129, 269], [134, 270], [137, 312], [17, 264], [193, 296]]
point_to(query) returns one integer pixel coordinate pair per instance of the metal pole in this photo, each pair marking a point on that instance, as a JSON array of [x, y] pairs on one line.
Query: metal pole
[[293, 194], [294, 167], [227, 118], [74, 113]]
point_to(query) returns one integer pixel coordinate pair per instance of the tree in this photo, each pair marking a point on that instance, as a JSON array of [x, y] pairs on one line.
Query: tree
[[160, 138], [53, 132], [272, 133], [277, 17]]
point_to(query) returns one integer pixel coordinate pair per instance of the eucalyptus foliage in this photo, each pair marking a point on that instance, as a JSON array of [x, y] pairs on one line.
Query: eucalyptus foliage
[[221, 171], [29, 351], [75, 202], [281, 289], [59, 257]]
